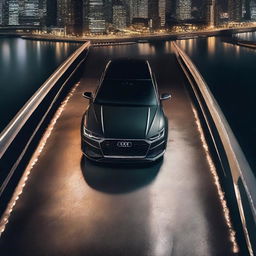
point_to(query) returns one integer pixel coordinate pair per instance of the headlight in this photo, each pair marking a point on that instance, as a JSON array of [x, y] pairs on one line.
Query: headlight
[[158, 136], [91, 135]]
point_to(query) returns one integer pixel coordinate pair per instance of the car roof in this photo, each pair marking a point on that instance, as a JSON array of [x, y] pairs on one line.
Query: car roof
[[128, 69]]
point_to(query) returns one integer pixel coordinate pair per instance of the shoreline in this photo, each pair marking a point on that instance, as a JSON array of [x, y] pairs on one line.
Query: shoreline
[[108, 40]]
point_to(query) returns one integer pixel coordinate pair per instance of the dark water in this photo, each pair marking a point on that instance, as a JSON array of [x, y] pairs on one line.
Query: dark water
[[24, 66], [230, 72]]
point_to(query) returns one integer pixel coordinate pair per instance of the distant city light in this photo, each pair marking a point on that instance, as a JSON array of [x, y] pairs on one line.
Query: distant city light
[[98, 17]]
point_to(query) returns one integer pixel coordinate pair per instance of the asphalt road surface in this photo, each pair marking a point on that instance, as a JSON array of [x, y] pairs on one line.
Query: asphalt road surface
[[71, 206]]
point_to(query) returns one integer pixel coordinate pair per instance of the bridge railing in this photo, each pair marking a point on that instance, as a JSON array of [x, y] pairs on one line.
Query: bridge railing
[[20, 137], [235, 168]]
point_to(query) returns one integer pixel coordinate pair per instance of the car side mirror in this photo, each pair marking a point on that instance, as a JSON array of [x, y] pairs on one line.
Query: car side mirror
[[88, 95], [165, 96]]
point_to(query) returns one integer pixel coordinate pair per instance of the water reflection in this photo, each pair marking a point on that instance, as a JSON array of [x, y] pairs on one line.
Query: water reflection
[[146, 49], [20, 53], [183, 45], [237, 50], [168, 47], [58, 50], [66, 48], [5, 52], [24, 66], [188, 44], [38, 50], [225, 47], [191, 45], [211, 45]]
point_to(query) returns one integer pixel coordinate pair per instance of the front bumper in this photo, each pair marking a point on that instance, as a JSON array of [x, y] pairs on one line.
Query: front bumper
[[94, 150]]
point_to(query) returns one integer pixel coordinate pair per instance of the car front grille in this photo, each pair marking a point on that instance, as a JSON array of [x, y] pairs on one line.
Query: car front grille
[[125, 148]]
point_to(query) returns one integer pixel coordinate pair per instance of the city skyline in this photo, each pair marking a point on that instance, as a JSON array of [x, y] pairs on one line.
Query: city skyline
[[103, 16]]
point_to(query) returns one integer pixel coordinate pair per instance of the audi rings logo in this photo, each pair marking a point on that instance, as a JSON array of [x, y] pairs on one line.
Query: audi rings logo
[[124, 144]]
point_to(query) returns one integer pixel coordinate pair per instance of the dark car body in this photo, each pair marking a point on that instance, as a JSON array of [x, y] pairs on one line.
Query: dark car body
[[124, 120]]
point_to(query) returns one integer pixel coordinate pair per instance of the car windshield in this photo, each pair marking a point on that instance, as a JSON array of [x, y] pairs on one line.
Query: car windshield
[[127, 92]]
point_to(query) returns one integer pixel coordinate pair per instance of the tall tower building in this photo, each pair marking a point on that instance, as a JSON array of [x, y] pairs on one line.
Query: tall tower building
[[13, 12], [183, 10], [217, 12], [77, 19], [1, 12], [5, 12], [43, 11], [153, 14], [119, 16], [253, 10], [51, 10], [94, 16], [247, 9], [126, 4], [70, 15], [143, 8], [61, 12], [162, 12], [108, 11], [170, 12], [139, 9], [29, 12], [210, 13], [235, 10]]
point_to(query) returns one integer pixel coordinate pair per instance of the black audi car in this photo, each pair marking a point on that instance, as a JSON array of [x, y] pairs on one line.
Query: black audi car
[[125, 120]]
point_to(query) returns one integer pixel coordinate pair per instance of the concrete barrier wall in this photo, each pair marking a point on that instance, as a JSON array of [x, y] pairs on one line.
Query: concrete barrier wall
[[236, 170], [20, 137]]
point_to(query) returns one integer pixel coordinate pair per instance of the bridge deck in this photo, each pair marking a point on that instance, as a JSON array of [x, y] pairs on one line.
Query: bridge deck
[[72, 207]]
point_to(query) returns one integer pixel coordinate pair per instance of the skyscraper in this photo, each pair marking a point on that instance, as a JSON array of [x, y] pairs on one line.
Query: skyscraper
[[246, 9], [13, 12], [183, 10], [138, 9], [61, 12], [162, 12], [43, 11], [77, 11], [95, 19], [1, 12], [23, 12], [153, 14], [170, 12], [235, 10], [108, 11], [70, 15], [119, 16], [253, 10], [5, 12], [51, 17], [29, 12], [210, 12]]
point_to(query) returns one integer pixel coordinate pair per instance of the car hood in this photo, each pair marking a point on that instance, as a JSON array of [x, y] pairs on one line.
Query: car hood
[[124, 122]]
